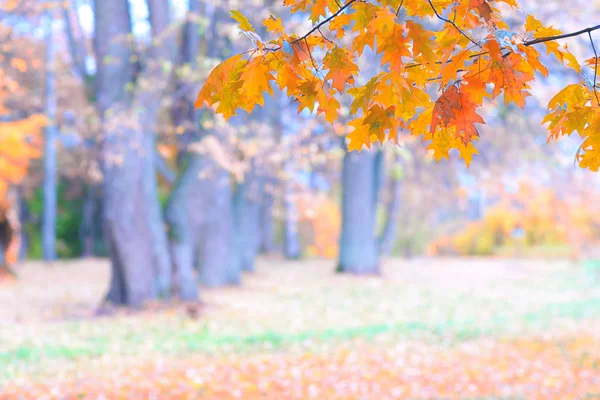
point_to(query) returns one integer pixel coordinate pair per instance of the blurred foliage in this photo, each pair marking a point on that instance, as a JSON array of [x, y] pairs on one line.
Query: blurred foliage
[[68, 240], [531, 218]]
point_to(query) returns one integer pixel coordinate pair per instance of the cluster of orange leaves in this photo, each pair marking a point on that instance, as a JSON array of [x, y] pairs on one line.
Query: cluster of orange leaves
[[19, 142], [318, 68]]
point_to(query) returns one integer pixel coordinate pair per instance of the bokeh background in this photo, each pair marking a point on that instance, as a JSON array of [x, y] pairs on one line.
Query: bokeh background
[[153, 251]]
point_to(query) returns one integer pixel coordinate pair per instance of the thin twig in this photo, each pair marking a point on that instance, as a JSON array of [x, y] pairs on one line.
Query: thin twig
[[325, 21], [452, 23], [399, 8], [563, 36], [595, 67], [324, 37]]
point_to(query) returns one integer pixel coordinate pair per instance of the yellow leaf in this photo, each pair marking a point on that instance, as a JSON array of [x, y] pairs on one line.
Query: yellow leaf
[[245, 24]]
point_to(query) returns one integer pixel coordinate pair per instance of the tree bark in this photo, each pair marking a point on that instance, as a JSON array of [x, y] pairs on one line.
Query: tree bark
[[358, 243], [133, 223], [50, 160]]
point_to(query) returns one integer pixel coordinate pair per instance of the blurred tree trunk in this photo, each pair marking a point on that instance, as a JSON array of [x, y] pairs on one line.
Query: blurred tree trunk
[[219, 255], [183, 227], [199, 211], [24, 216], [217, 247], [267, 232], [358, 243], [390, 229], [246, 213], [87, 228], [50, 161], [292, 250], [133, 223]]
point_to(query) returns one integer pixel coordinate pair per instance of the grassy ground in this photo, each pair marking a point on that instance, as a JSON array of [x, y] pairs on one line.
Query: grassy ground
[[428, 329]]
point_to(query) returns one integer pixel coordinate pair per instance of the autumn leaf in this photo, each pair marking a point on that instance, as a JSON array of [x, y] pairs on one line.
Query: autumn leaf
[[341, 68], [244, 23]]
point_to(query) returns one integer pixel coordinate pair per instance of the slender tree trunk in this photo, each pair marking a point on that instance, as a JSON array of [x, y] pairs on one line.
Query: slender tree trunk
[[358, 244], [87, 228], [50, 166], [23, 221]]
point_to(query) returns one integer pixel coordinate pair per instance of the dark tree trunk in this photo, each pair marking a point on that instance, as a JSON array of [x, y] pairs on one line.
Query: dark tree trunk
[[50, 160], [133, 224], [358, 244]]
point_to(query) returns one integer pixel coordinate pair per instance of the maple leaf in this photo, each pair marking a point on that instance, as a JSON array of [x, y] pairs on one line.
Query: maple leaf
[[422, 43], [244, 23], [307, 95], [255, 77], [219, 77], [274, 25], [341, 68], [359, 136], [363, 95], [455, 109], [471, 55]]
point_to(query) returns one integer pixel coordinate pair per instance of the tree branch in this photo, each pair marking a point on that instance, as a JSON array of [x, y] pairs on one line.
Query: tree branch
[[595, 67], [452, 23], [563, 36], [325, 21]]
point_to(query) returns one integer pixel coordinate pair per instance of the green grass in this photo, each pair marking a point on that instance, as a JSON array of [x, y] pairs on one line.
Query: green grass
[[320, 314]]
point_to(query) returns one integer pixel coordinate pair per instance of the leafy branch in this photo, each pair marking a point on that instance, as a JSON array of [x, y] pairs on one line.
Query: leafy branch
[[452, 23], [324, 22]]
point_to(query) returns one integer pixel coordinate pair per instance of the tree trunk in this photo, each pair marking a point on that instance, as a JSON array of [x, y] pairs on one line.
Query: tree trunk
[[50, 166], [390, 229], [267, 241], [87, 228], [292, 250], [358, 244], [247, 221], [23, 221], [133, 223], [183, 231], [217, 259]]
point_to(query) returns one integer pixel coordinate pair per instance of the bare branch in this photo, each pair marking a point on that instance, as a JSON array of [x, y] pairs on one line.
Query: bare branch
[[563, 36]]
